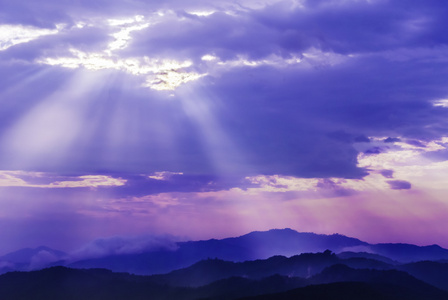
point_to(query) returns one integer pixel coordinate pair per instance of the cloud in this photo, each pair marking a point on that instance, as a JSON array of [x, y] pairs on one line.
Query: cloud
[[124, 245], [281, 88], [36, 179], [387, 173], [42, 259], [11, 35], [399, 184]]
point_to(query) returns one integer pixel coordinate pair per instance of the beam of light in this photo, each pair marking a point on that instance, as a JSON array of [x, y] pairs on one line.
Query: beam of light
[[204, 110], [11, 35], [47, 134], [28, 77]]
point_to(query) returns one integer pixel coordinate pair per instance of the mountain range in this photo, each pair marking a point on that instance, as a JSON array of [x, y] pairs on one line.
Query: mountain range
[[217, 279], [275, 264], [252, 246]]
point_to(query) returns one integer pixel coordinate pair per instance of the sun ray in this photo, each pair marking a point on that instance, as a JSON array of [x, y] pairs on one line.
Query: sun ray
[[204, 109], [46, 133]]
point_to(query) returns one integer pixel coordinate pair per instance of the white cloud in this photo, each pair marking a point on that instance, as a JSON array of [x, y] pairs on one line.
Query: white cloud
[[18, 179], [11, 35], [441, 102], [163, 175], [160, 74], [201, 13], [277, 183], [125, 245]]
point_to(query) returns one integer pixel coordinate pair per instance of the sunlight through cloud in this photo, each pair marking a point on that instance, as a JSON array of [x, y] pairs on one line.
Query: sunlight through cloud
[[160, 74], [11, 35]]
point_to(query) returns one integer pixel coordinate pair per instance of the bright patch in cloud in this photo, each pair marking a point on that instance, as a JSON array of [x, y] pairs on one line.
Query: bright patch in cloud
[[208, 57], [169, 80], [201, 13], [161, 74], [163, 175], [441, 102], [91, 181], [11, 35], [408, 162], [276, 183], [271, 60], [17, 179], [404, 161], [123, 36]]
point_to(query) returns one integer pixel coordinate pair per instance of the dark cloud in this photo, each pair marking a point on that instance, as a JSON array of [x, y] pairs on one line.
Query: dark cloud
[[374, 150], [391, 140], [440, 155], [362, 139], [299, 120], [415, 143], [387, 173], [331, 189], [399, 184], [361, 26], [139, 185]]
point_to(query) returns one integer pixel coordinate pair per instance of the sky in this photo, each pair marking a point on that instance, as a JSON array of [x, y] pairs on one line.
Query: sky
[[150, 120]]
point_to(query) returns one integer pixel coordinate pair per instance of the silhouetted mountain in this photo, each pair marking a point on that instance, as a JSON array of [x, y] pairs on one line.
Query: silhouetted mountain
[[434, 273], [237, 287], [350, 254], [64, 283], [352, 291], [252, 246], [92, 284], [207, 271], [406, 253], [304, 266], [340, 272]]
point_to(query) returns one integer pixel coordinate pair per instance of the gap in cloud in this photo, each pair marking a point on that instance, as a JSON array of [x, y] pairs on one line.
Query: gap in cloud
[[160, 74]]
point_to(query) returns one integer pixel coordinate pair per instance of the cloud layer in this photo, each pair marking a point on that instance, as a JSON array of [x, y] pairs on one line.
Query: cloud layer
[[123, 102]]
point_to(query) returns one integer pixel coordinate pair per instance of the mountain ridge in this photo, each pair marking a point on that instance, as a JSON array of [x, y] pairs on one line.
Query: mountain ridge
[[251, 246]]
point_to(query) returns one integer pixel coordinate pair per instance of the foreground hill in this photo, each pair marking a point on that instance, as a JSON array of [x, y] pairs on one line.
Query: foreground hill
[[261, 279], [351, 291], [303, 266]]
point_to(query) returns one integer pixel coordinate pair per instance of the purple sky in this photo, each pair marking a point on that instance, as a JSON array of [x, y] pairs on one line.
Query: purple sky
[[200, 119]]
